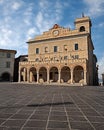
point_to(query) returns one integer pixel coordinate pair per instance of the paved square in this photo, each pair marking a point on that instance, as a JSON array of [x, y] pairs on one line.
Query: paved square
[[50, 107]]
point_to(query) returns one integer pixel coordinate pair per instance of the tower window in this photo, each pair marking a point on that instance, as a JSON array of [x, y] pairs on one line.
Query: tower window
[[37, 50], [76, 46], [82, 29], [55, 48]]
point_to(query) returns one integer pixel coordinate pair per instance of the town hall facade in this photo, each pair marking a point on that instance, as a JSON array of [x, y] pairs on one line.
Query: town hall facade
[[61, 55]]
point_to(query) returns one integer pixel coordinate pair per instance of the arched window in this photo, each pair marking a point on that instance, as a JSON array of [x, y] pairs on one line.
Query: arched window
[[82, 29], [5, 76]]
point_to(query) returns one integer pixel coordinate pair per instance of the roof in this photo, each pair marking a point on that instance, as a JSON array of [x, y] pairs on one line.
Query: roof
[[7, 50]]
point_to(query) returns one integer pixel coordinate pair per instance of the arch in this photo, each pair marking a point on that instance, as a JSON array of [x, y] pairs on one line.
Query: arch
[[82, 29], [78, 74], [65, 74], [43, 74], [5, 76], [53, 74], [33, 74], [23, 74]]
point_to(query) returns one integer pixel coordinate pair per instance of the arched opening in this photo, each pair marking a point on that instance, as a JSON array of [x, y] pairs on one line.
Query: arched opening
[[33, 75], [5, 76], [43, 74], [78, 74], [82, 29], [54, 74], [65, 74], [23, 73]]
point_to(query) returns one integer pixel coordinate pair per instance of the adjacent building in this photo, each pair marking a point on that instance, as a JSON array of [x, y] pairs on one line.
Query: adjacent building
[[16, 65], [61, 55], [7, 58], [103, 79]]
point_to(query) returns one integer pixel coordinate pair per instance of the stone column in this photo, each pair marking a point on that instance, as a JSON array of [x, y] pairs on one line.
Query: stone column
[[19, 76], [71, 76], [59, 75], [37, 76], [28, 77], [47, 75], [24, 75], [85, 77]]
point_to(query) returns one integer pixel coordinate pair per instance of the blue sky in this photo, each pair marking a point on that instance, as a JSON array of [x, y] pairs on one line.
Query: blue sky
[[21, 20]]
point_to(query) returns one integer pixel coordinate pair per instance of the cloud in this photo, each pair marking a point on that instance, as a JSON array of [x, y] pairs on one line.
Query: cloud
[[95, 7], [31, 33], [21, 20], [9, 7], [16, 5], [13, 29], [49, 14], [44, 4], [1, 1], [101, 24]]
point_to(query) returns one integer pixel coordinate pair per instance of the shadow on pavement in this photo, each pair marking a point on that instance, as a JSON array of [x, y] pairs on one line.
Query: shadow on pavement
[[50, 104]]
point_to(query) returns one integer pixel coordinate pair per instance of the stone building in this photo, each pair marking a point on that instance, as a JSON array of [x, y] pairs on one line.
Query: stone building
[[103, 79], [16, 65], [61, 55], [7, 58]]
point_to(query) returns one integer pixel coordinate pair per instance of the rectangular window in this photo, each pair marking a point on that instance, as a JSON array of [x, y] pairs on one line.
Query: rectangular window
[[46, 49], [65, 47], [7, 64], [65, 57], [76, 56], [8, 55], [55, 48], [37, 50], [76, 46]]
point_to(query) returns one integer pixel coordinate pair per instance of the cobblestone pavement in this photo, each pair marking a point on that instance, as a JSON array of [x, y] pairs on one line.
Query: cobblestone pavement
[[41, 107]]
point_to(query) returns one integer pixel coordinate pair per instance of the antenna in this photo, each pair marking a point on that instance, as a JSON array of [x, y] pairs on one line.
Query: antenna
[[82, 14]]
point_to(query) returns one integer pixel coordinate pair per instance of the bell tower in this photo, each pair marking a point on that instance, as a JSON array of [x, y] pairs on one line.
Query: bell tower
[[83, 24]]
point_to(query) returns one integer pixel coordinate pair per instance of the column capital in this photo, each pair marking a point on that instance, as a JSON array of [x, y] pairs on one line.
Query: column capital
[[59, 70]]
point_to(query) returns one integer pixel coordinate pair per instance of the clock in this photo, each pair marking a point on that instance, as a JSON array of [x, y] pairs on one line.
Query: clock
[[55, 33]]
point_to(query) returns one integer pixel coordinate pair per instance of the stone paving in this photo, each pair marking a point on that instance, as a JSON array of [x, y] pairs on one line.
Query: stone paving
[[44, 107]]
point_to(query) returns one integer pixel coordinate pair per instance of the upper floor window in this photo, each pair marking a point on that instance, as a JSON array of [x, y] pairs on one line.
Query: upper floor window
[[46, 49], [7, 64], [55, 48], [37, 50], [65, 47], [8, 55], [82, 29], [76, 46]]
